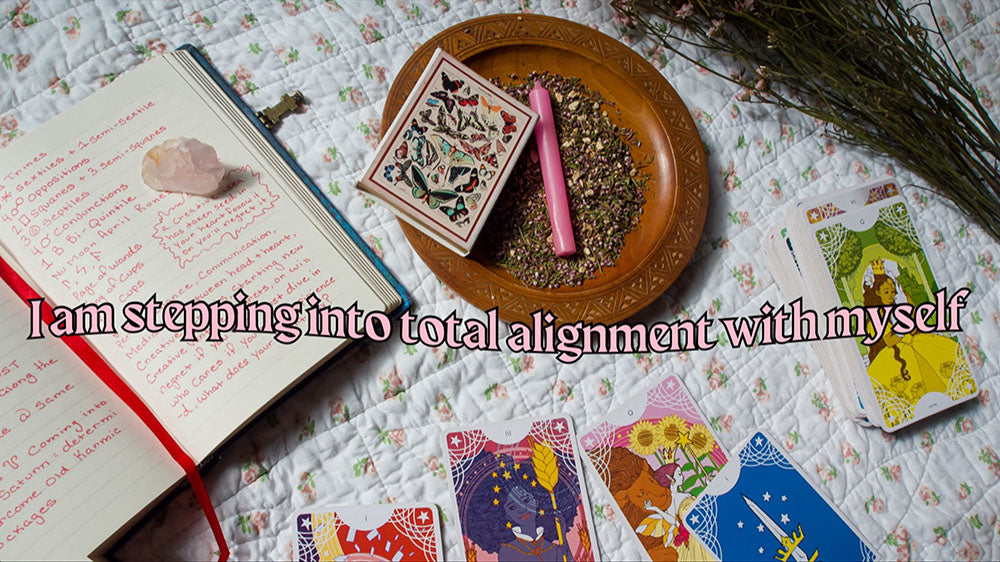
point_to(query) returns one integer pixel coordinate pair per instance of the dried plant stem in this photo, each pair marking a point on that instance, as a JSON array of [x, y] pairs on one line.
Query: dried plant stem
[[866, 68]]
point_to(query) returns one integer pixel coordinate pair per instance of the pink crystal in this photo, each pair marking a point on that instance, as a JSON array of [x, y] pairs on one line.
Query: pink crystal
[[184, 165]]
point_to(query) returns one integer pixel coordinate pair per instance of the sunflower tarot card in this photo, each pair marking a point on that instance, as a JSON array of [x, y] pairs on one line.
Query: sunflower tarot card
[[655, 453], [519, 492], [389, 532], [448, 153]]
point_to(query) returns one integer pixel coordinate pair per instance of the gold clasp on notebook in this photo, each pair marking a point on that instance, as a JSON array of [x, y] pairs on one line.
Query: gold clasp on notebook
[[271, 116]]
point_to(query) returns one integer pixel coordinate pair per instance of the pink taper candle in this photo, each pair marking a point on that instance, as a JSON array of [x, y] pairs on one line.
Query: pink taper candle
[[552, 172]]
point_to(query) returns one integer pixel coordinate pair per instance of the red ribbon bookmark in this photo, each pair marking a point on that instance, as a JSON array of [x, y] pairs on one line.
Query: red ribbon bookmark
[[104, 371]]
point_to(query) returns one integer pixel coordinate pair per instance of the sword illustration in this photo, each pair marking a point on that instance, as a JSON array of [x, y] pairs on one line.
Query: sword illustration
[[791, 543]]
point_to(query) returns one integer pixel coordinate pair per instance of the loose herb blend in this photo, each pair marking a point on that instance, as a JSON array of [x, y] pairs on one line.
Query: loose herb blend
[[604, 186], [867, 68]]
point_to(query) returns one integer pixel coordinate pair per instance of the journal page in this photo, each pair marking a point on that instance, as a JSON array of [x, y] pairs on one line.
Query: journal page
[[69, 447], [75, 212]]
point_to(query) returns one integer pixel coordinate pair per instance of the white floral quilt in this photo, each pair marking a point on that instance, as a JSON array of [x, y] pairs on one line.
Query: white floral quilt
[[369, 430]]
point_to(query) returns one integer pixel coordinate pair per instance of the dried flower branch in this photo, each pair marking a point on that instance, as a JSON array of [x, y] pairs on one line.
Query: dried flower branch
[[865, 67]]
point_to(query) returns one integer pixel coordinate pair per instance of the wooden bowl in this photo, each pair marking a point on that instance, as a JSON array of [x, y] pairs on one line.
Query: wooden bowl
[[655, 252]]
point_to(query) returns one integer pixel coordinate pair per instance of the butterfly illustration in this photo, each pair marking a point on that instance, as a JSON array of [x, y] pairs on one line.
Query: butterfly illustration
[[450, 152], [472, 100], [401, 152], [433, 198], [451, 85], [425, 117], [415, 128], [485, 173], [501, 148], [473, 180], [477, 137], [487, 106], [388, 172], [508, 122], [458, 211], [506, 139], [469, 119], [478, 153], [449, 103], [418, 150], [492, 160]]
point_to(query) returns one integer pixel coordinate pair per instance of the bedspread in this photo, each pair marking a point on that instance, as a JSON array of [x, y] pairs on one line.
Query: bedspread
[[368, 430]]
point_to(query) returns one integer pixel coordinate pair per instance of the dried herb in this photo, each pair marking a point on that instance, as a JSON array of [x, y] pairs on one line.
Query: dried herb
[[865, 67], [604, 186]]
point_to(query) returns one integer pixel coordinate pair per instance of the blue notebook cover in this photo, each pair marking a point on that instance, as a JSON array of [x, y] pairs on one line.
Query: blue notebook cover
[[280, 150]]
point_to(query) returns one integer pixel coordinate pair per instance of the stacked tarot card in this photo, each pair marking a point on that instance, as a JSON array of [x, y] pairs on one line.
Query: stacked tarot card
[[448, 153], [859, 247], [520, 494]]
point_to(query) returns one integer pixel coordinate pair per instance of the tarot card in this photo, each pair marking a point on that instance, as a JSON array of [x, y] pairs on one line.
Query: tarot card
[[873, 257], [655, 453], [447, 154], [388, 532], [822, 207], [519, 492], [760, 507]]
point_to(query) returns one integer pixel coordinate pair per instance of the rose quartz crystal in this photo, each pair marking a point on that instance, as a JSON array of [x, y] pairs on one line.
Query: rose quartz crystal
[[184, 165]]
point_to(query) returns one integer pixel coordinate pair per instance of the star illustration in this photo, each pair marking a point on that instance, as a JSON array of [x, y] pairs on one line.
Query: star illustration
[[517, 466], [560, 426], [494, 474], [767, 496], [760, 528], [541, 512], [784, 518], [761, 550], [506, 475], [534, 483], [455, 441], [739, 524], [695, 518], [422, 517], [588, 442], [509, 525], [496, 501], [496, 489], [784, 498], [758, 441], [683, 440], [307, 524], [502, 464], [525, 476]]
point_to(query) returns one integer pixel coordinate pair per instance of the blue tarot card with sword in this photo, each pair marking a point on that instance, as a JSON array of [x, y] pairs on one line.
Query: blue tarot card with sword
[[762, 508]]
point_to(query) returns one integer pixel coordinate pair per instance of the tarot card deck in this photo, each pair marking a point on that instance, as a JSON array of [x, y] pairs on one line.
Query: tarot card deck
[[859, 247], [391, 532], [655, 453], [446, 156], [519, 491], [760, 507]]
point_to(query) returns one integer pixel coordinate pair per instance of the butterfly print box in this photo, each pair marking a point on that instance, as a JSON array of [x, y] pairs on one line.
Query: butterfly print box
[[442, 163]]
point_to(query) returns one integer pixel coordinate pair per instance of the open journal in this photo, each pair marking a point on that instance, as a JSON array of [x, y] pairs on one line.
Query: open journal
[[80, 225]]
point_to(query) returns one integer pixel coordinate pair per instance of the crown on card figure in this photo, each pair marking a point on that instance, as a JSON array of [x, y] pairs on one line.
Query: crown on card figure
[[878, 267]]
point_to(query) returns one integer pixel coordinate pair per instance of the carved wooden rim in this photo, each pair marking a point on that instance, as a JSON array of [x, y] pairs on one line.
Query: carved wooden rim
[[637, 287]]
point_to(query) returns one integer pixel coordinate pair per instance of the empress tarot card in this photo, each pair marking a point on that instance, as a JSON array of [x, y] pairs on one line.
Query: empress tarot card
[[874, 258], [655, 453], [519, 492], [370, 533]]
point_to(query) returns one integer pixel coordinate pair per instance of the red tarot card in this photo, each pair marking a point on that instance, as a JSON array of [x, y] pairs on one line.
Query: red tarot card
[[369, 533]]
